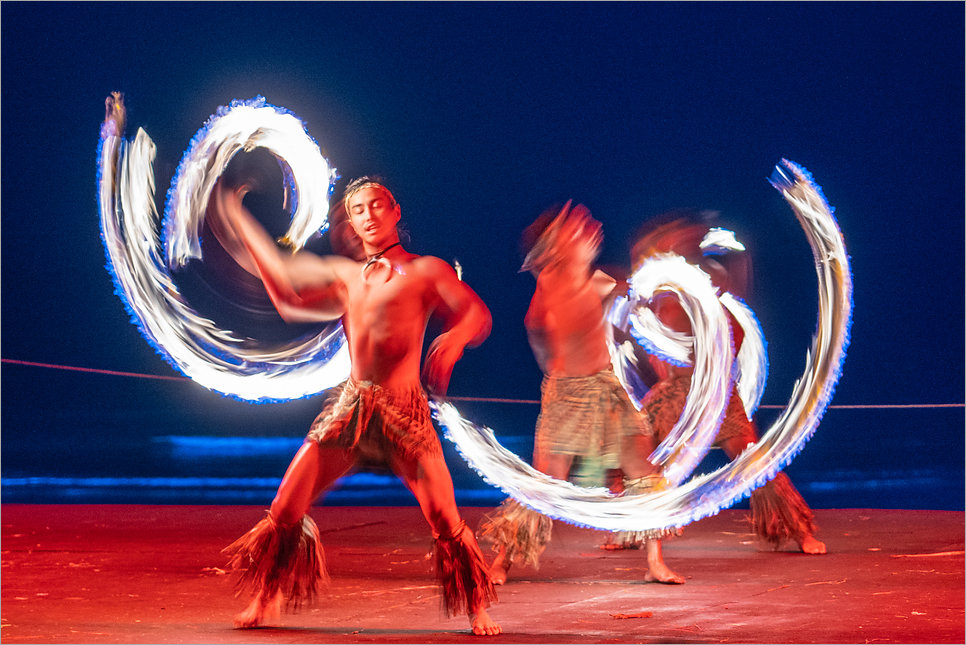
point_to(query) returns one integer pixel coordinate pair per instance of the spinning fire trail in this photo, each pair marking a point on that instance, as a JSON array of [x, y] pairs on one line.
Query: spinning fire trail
[[242, 367]]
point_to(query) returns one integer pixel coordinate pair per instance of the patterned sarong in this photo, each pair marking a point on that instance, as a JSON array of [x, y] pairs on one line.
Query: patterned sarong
[[377, 422], [586, 416], [778, 511], [664, 404]]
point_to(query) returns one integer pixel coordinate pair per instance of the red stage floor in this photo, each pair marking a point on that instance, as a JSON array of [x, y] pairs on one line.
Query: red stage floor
[[152, 574]]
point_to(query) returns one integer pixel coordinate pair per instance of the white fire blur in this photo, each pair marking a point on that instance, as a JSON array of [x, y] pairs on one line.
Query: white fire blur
[[216, 358], [703, 495]]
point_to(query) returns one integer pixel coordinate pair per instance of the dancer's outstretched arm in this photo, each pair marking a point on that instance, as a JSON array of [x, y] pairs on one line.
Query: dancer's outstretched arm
[[303, 286], [467, 323]]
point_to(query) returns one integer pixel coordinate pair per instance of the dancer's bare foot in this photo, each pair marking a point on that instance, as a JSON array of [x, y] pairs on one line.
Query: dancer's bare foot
[[499, 568], [808, 544], [483, 625], [657, 571], [260, 612], [662, 574]]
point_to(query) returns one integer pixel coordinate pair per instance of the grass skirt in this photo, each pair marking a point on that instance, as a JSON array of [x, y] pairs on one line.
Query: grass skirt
[[524, 532], [462, 572], [635, 539], [779, 513], [272, 558]]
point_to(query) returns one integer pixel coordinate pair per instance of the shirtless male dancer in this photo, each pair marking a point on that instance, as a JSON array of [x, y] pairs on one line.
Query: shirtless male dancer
[[779, 513], [381, 412], [585, 413]]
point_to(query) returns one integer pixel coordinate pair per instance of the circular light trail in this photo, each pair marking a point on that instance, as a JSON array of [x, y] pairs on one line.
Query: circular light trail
[[706, 494], [241, 367], [216, 358]]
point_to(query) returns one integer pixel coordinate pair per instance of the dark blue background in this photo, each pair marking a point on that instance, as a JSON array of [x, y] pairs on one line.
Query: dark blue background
[[480, 115]]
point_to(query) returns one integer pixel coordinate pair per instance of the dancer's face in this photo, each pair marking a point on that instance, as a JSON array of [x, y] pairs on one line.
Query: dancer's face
[[590, 239], [684, 240], [373, 214], [582, 237]]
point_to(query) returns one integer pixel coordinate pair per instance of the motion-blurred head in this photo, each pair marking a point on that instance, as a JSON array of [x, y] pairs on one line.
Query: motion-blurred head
[[694, 235], [561, 234]]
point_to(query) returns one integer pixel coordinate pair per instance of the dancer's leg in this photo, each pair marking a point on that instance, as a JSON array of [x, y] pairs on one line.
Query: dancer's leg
[[313, 469], [558, 467], [792, 515], [429, 479], [634, 463], [657, 571], [518, 534], [500, 567]]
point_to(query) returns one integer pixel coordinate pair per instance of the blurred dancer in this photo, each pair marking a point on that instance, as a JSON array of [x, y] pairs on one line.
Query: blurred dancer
[[778, 511], [381, 413], [585, 414]]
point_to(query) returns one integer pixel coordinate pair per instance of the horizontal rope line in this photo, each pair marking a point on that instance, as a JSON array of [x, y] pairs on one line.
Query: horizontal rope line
[[95, 371], [489, 400], [884, 406]]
